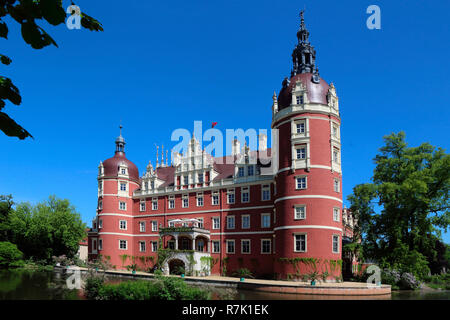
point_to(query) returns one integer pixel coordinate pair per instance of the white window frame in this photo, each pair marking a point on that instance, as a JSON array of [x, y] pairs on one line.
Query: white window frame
[[121, 183], [100, 244], [249, 246], [142, 206], [336, 218], [171, 204], [242, 221], [200, 199], [252, 170], [218, 223], [120, 205], [295, 241], [262, 220], [247, 191], [125, 223], [265, 187], [140, 246], [332, 243], [154, 204], [215, 194], [183, 198], [141, 226], [213, 248], [126, 244], [230, 192], [297, 153], [234, 222], [336, 185], [241, 172], [234, 246], [100, 223], [153, 246], [270, 246], [154, 225], [296, 182], [295, 211]]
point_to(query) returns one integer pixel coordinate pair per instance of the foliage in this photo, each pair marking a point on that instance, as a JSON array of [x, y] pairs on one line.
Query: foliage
[[6, 204], [163, 288], [224, 266], [208, 263], [50, 228], [28, 13], [410, 187], [243, 273], [313, 276], [408, 281], [92, 287], [439, 281], [9, 255]]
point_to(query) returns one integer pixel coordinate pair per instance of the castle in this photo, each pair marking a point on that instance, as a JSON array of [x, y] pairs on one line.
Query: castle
[[215, 215]]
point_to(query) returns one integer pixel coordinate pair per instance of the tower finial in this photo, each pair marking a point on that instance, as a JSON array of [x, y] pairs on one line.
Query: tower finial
[[120, 141], [304, 55]]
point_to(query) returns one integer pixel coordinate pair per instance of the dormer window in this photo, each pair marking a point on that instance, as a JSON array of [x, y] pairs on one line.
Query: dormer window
[[251, 171], [240, 171], [123, 171], [299, 99]]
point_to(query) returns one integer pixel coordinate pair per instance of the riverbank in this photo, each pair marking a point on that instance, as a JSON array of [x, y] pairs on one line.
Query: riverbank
[[272, 286]]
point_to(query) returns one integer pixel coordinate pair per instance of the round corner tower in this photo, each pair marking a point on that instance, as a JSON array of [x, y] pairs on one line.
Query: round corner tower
[[308, 200], [117, 178]]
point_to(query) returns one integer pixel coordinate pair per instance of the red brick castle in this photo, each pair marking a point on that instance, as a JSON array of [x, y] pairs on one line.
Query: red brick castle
[[218, 215]]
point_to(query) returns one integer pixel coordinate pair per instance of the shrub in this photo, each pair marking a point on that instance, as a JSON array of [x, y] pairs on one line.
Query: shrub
[[243, 273], [391, 277], [10, 256], [408, 281], [92, 287]]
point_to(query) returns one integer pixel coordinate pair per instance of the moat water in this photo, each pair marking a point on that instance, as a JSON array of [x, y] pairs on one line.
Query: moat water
[[37, 285]]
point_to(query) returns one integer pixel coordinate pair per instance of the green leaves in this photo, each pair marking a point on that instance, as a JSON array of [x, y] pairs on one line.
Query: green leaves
[[52, 11], [90, 23], [11, 128], [3, 30], [5, 60], [36, 36]]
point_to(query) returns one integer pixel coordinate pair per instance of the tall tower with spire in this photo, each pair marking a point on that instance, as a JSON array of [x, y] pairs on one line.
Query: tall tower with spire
[[308, 202]]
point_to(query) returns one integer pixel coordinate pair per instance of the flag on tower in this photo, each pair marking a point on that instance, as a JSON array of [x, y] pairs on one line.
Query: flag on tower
[[213, 124]]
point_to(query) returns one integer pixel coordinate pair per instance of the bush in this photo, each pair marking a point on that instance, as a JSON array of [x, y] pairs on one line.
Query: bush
[[391, 277], [10, 256], [164, 288], [243, 273], [408, 282]]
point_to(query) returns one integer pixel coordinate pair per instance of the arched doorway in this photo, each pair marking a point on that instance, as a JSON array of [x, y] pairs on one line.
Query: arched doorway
[[177, 266]]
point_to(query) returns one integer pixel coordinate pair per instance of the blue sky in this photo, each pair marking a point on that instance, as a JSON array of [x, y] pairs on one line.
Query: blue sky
[[162, 65]]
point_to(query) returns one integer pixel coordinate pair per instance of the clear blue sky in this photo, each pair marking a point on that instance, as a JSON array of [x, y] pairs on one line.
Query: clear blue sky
[[161, 65]]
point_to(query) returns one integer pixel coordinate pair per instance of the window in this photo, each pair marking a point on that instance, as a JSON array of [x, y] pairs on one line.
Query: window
[[171, 224], [142, 226], [335, 244], [266, 192], [300, 127], [154, 225], [171, 202], [336, 185], [301, 153], [245, 194], [334, 131], [230, 196], [245, 246], [266, 246], [123, 171], [152, 184], [100, 205], [230, 222], [301, 182], [186, 180], [142, 206], [123, 225], [154, 246], [300, 212], [171, 244], [230, 246], [299, 99], [123, 244], [94, 244], [336, 155], [185, 200], [215, 198], [250, 170], [100, 244], [146, 185], [142, 246], [265, 220], [336, 214], [216, 223], [100, 223], [215, 246], [154, 203], [200, 223], [246, 221], [122, 205], [200, 199], [123, 186], [240, 171], [300, 243]]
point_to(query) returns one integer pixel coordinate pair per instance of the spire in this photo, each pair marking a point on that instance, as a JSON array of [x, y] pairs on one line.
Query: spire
[[120, 142], [304, 54]]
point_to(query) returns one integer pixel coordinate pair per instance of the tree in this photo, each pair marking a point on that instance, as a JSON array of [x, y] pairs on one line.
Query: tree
[[9, 254], [6, 204], [51, 228], [410, 187], [26, 13]]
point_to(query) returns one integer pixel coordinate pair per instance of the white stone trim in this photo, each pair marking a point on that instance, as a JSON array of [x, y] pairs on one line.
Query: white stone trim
[[240, 233], [312, 196], [307, 227], [127, 234]]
